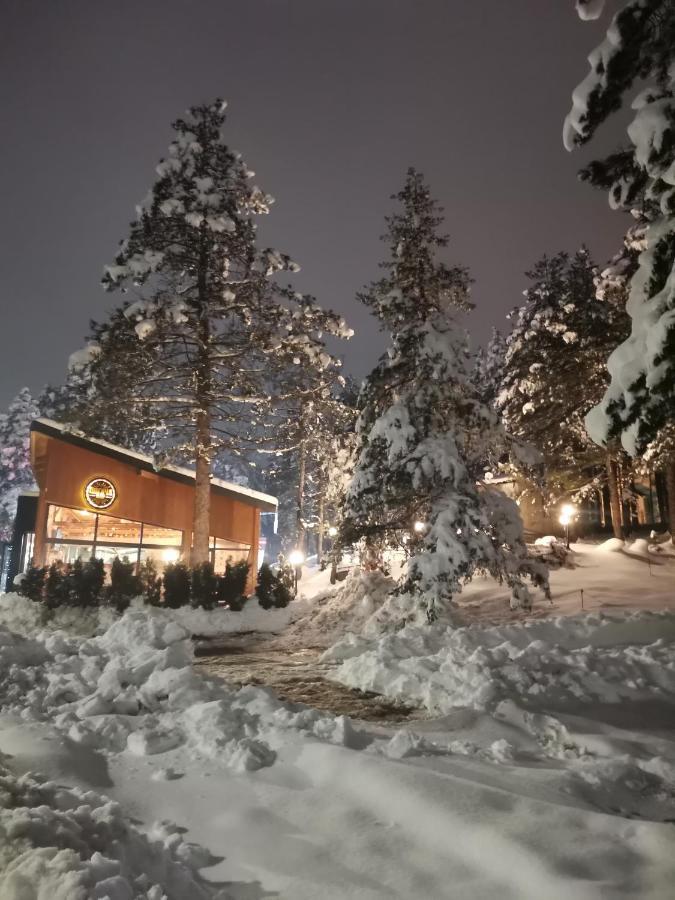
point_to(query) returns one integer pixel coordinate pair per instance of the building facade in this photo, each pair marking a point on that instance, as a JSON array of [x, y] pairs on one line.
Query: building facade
[[97, 499]]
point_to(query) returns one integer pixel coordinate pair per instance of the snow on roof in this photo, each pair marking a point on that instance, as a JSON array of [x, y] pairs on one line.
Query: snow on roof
[[50, 425]]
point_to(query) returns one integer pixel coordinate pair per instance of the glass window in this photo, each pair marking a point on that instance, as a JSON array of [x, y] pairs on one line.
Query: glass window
[[160, 557], [70, 524], [153, 534], [118, 531], [67, 553], [109, 553], [228, 551]]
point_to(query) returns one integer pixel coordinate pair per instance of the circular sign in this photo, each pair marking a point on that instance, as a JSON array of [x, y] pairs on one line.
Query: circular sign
[[100, 493]]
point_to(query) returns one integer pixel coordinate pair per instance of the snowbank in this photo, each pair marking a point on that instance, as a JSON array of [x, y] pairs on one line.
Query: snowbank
[[23, 616], [68, 844], [133, 688], [347, 606], [555, 662]]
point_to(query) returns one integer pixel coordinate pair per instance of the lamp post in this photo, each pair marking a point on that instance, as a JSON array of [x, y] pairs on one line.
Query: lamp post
[[296, 559], [566, 516]]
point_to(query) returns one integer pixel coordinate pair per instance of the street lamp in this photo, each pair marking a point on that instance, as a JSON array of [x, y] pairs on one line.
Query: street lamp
[[420, 527], [296, 558], [566, 516]]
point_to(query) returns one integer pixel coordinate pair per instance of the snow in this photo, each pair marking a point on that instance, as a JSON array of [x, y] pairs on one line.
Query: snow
[[69, 844], [544, 767]]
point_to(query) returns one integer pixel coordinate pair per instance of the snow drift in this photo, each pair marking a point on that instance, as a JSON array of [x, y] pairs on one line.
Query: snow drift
[[133, 688]]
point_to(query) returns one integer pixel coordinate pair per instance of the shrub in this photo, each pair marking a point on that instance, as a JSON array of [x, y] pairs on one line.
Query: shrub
[[204, 586], [232, 585], [150, 583], [124, 584], [85, 582], [56, 586], [176, 585], [271, 590], [32, 585]]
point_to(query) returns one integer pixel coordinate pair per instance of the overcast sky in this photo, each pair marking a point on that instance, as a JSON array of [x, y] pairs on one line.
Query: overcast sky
[[330, 102]]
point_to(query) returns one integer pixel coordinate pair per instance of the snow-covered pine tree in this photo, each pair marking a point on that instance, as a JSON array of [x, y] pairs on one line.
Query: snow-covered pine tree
[[554, 371], [489, 367], [213, 330], [424, 438], [16, 474], [306, 440], [639, 47]]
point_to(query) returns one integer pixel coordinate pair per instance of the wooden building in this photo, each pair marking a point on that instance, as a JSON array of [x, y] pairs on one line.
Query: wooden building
[[96, 499]]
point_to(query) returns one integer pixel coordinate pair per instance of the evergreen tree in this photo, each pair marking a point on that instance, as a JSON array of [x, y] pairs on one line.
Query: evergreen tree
[[639, 47], [211, 333], [489, 367], [554, 371], [424, 438], [16, 474], [302, 469]]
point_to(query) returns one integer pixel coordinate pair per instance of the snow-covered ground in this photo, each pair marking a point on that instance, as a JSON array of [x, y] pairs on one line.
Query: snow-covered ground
[[543, 765]]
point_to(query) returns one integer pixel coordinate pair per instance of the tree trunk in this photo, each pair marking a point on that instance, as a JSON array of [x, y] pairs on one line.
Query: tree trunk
[[614, 496], [670, 489], [202, 507], [202, 504], [322, 508], [302, 475]]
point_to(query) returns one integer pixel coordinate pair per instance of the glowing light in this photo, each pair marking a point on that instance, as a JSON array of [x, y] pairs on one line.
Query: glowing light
[[170, 555], [296, 558], [420, 527], [332, 531], [567, 513]]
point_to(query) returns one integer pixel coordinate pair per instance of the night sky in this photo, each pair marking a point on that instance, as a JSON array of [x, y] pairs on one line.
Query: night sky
[[330, 102]]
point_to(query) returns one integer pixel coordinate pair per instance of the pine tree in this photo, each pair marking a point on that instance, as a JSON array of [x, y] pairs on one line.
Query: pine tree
[[211, 333], [639, 47], [302, 469], [489, 367], [554, 371], [424, 438], [16, 474]]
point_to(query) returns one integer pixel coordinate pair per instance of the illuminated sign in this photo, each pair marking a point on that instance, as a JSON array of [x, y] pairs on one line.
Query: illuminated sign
[[100, 493]]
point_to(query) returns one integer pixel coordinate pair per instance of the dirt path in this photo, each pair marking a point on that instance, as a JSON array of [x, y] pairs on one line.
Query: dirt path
[[295, 675]]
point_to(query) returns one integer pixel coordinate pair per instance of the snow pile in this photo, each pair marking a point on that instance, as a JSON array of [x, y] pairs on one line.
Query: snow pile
[[133, 688], [213, 622], [68, 844], [348, 606], [555, 662], [23, 616]]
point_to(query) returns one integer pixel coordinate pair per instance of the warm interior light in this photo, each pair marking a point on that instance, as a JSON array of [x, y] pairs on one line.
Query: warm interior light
[[170, 554], [296, 558]]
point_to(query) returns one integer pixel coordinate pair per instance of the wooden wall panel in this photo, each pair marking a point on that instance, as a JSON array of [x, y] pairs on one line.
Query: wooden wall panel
[[63, 470]]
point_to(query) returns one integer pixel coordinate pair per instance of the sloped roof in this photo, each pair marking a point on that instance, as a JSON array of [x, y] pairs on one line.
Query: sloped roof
[[141, 461]]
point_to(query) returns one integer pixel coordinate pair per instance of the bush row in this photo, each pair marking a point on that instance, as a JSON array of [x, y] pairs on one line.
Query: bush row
[[83, 584]]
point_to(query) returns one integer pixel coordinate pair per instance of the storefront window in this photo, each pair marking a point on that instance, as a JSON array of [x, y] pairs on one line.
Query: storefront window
[[223, 551], [117, 531], [70, 524], [67, 553], [79, 534], [108, 553], [153, 534]]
